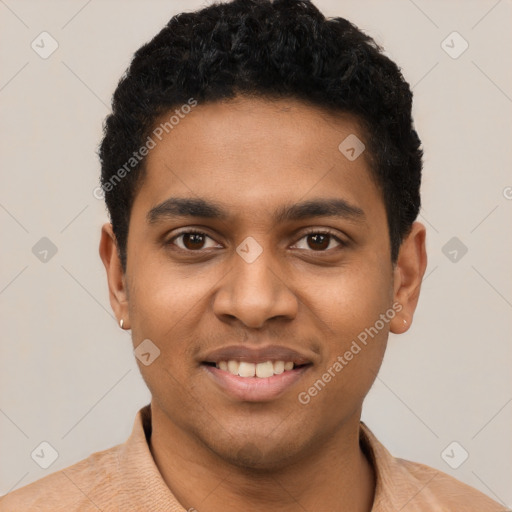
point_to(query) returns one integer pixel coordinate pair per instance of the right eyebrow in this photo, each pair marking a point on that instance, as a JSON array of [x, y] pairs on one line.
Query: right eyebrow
[[185, 207]]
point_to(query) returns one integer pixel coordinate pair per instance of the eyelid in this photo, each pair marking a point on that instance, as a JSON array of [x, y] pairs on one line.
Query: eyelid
[[309, 231]]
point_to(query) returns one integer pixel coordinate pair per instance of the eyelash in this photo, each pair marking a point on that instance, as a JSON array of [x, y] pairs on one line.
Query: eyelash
[[305, 234]]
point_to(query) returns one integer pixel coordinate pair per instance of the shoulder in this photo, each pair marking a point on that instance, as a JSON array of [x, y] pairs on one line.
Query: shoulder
[[439, 491], [414, 487], [86, 485]]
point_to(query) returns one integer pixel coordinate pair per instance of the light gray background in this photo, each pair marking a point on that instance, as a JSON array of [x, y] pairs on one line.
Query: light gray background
[[67, 372]]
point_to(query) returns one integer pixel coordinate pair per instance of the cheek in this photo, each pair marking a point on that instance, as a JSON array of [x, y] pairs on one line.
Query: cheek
[[353, 299], [163, 309], [167, 308], [355, 310], [160, 298], [354, 349]]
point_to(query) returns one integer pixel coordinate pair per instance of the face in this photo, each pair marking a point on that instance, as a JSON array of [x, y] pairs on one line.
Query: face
[[256, 246]]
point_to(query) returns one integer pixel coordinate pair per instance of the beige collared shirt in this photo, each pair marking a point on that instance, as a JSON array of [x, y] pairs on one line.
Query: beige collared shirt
[[125, 478]]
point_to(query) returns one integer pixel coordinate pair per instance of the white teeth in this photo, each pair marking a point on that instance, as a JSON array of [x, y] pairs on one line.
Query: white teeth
[[246, 369], [233, 367], [264, 370], [278, 367], [260, 370]]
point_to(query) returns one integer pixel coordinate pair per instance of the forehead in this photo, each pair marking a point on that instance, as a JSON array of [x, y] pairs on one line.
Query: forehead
[[255, 155]]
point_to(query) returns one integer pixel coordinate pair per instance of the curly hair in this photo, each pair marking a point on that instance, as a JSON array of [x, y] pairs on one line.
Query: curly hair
[[266, 49]]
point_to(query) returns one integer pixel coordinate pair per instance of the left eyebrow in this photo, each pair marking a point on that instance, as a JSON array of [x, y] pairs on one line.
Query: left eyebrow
[[192, 207], [320, 208]]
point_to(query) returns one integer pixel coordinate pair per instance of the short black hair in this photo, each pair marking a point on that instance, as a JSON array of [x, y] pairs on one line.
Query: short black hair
[[265, 49]]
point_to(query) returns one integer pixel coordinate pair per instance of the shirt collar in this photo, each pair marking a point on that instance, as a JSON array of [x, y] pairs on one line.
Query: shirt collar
[[394, 486]]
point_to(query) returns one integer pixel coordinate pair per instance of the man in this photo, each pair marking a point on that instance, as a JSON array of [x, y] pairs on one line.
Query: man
[[262, 175]]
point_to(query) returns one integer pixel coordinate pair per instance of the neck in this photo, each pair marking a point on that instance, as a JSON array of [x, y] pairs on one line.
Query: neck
[[333, 476]]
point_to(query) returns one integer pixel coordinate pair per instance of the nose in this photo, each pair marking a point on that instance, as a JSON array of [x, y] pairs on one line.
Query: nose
[[254, 292]]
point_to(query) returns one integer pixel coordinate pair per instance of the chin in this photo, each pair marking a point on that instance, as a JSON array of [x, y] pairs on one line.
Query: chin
[[264, 455]]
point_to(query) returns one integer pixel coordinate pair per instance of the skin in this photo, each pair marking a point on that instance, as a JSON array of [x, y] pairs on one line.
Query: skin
[[253, 156]]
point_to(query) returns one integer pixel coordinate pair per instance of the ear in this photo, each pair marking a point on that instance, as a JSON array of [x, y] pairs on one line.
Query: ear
[[408, 275], [115, 275]]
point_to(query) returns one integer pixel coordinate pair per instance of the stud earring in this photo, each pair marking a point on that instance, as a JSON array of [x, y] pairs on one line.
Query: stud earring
[[121, 322]]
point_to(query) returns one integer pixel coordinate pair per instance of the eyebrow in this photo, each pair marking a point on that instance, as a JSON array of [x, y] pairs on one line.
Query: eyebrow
[[178, 207]]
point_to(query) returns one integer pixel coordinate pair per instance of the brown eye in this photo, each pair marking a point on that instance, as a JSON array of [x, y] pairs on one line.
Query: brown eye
[[319, 241], [192, 241]]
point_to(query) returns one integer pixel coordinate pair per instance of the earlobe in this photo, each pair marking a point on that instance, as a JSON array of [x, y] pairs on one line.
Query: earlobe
[[408, 275], [399, 324], [115, 275]]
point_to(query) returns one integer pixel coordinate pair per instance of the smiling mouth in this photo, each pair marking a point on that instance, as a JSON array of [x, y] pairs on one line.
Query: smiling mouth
[[261, 370]]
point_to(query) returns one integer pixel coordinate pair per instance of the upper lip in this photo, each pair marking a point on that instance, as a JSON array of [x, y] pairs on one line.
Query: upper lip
[[256, 354]]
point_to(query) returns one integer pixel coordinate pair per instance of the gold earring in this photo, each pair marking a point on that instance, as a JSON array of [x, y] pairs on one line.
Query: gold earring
[[121, 322]]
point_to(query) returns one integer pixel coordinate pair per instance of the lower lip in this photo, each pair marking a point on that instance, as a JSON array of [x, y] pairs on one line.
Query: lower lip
[[254, 389]]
